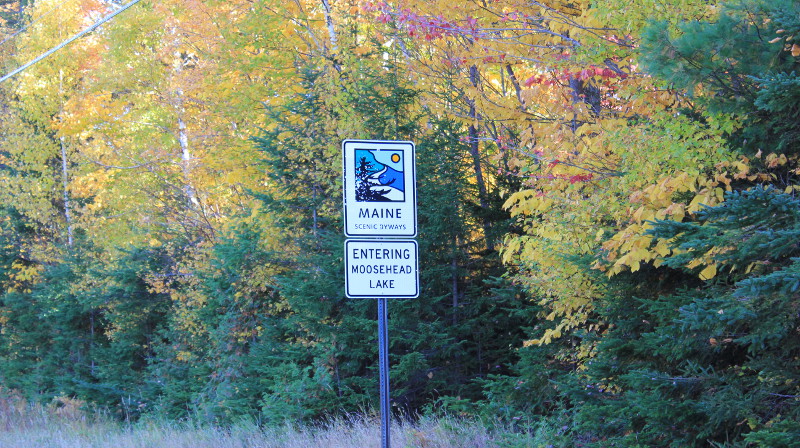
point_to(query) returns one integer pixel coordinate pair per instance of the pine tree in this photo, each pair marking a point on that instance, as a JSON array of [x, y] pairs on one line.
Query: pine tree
[[711, 362], [742, 63]]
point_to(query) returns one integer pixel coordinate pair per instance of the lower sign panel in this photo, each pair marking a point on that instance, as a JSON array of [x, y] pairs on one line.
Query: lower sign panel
[[381, 268]]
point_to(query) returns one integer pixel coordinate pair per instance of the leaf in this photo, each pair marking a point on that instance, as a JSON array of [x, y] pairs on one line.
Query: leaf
[[709, 272]]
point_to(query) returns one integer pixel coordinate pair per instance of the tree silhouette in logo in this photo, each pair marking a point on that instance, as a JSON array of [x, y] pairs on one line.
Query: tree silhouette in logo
[[366, 191]]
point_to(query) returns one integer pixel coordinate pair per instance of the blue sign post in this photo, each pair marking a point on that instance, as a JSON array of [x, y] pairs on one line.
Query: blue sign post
[[383, 367], [380, 203]]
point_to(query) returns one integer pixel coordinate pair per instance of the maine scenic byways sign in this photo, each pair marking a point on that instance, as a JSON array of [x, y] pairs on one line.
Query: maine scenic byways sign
[[380, 207], [379, 195], [380, 201], [382, 268]]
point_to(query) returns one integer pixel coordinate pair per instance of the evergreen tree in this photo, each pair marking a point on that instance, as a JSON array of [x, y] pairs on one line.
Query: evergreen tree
[[742, 63], [441, 343], [84, 329], [710, 363], [677, 360]]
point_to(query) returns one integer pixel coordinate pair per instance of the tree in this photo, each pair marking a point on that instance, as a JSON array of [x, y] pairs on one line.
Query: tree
[[679, 331], [164, 152], [737, 61], [692, 363]]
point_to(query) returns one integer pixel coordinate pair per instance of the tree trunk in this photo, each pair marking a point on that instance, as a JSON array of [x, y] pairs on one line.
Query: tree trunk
[[65, 183], [334, 50], [186, 160], [454, 267], [474, 150], [65, 166]]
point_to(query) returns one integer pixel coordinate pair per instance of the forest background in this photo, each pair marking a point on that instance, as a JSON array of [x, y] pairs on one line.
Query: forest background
[[608, 212]]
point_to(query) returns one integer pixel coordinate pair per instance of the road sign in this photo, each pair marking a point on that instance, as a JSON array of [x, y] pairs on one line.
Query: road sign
[[381, 268], [380, 201], [380, 192]]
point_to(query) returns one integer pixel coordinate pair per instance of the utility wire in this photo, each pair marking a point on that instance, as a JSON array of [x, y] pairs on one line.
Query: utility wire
[[33, 23], [88, 30]]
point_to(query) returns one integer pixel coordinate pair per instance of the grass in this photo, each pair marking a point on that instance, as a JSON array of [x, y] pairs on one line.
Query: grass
[[62, 424]]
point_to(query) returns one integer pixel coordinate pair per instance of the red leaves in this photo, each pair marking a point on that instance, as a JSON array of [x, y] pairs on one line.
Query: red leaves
[[424, 27], [535, 79], [590, 72], [575, 178], [492, 59], [580, 178], [539, 79]]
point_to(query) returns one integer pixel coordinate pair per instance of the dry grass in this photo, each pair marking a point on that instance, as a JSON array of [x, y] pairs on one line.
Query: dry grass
[[63, 425]]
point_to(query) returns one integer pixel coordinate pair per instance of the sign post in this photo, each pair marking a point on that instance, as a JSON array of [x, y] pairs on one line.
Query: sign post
[[383, 368], [380, 208]]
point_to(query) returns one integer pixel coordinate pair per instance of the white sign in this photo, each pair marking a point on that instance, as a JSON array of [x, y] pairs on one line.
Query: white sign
[[381, 268], [380, 191]]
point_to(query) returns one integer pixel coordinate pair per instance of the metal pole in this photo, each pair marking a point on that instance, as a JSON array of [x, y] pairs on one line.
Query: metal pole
[[383, 365]]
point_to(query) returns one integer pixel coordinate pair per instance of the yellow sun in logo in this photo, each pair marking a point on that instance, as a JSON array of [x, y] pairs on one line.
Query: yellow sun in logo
[[395, 158]]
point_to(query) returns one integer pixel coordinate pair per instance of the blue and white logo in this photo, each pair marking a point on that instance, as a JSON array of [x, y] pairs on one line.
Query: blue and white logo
[[379, 175]]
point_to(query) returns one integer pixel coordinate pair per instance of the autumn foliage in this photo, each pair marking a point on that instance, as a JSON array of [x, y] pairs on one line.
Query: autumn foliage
[[607, 211]]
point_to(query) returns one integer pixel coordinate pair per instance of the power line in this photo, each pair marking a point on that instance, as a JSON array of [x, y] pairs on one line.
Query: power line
[[88, 30]]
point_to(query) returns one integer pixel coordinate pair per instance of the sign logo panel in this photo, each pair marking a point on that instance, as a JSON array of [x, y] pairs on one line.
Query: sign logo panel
[[379, 175]]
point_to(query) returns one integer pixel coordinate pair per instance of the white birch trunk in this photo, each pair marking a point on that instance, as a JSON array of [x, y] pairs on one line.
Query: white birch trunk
[[65, 167], [65, 182], [186, 158], [326, 7]]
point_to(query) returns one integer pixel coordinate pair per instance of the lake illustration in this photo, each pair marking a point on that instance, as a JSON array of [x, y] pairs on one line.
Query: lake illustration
[[379, 175]]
